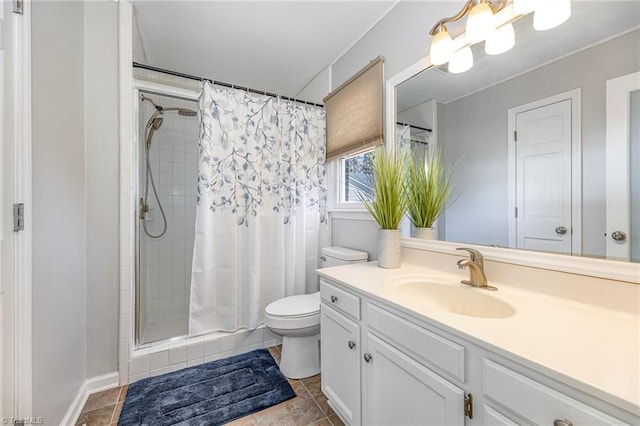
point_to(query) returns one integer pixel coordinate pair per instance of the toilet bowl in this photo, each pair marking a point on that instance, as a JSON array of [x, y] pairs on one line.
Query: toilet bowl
[[297, 320]]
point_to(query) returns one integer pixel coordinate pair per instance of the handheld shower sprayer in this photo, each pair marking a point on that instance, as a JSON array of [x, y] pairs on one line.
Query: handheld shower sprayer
[[153, 124]]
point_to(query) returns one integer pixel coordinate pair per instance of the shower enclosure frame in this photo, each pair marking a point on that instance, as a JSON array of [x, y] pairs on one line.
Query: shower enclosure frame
[[140, 85], [136, 360]]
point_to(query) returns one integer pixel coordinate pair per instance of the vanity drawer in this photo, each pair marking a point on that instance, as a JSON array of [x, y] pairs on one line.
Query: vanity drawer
[[340, 299], [536, 402], [423, 345]]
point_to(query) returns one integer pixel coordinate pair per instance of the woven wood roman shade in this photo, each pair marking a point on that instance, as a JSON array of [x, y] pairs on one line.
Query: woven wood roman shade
[[355, 112]]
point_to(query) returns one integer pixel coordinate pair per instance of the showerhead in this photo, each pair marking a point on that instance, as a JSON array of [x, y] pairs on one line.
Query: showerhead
[[185, 112], [157, 122]]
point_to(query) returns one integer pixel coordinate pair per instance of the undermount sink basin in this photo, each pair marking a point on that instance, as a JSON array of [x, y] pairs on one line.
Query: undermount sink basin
[[458, 299]]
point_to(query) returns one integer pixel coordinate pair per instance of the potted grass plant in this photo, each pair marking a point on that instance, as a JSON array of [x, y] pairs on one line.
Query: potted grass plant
[[427, 190], [388, 204]]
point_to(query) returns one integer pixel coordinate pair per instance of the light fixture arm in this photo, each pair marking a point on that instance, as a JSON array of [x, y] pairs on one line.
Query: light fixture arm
[[467, 7]]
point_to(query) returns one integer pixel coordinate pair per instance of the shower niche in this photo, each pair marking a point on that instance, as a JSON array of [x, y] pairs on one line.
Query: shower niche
[[166, 189]]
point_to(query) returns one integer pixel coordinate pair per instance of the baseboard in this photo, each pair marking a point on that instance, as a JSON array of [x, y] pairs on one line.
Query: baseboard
[[92, 385], [337, 412]]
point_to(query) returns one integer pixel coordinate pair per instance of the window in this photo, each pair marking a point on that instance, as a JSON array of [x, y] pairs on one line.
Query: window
[[356, 177]]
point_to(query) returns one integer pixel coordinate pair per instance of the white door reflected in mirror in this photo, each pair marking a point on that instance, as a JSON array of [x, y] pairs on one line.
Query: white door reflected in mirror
[[623, 107], [543, 178]]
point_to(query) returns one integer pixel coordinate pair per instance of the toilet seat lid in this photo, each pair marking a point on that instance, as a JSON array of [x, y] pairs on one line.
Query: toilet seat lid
[[295, 306]]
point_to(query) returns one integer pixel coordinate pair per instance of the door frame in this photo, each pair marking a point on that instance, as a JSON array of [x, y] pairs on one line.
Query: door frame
[[21, 301], [575, 96], [617, 172]]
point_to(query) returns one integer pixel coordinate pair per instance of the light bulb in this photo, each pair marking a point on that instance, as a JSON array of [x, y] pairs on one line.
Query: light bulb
[[551, 13], [461, 61], [522, 7], [480, 23], [500, 40], [441, 47]]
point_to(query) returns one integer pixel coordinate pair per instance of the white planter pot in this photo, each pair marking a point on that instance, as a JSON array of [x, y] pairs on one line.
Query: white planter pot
[[389, 248], [426, 233]]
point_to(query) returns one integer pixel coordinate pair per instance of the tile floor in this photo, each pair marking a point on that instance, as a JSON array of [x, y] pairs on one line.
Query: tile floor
[[308, 408]]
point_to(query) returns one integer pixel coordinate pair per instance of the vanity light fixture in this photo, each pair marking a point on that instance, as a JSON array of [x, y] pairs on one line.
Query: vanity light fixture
[[479, 23], [441, 47], [461, 61], [550, 13], [481, 26], [522, 7], [500, 40]]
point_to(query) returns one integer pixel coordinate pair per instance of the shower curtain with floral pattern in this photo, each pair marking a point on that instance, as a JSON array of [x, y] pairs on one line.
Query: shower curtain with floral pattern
[[261, 206]]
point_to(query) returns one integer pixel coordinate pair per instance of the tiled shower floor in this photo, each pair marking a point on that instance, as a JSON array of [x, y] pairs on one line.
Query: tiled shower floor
[[308, 408]]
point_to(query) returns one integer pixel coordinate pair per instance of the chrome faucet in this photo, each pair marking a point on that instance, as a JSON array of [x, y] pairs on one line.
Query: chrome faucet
[[476, 269]]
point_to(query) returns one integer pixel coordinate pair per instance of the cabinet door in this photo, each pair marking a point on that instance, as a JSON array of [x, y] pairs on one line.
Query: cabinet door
[[340, 346], [397, 390]]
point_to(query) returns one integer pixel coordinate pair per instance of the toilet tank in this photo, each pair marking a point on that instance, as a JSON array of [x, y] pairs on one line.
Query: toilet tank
[[336, 256]]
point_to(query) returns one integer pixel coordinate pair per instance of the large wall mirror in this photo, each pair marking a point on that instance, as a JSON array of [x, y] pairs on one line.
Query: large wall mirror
[[528, 130]]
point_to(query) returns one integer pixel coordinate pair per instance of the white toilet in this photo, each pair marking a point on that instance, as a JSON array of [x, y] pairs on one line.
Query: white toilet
[[297, 320]]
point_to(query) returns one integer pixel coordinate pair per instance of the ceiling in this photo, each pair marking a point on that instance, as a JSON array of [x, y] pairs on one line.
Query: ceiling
[[591, 22], [275, 46]]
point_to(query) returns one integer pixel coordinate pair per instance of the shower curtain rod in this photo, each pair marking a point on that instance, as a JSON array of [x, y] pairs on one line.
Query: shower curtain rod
[[221, 83], [415, 127]]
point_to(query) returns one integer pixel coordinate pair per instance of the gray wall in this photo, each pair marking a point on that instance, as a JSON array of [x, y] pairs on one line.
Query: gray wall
[[480, 140], [401, 37], [75, 199], [59, 318], [419, 115], [635, 176], [101, 185], [139, 54], [317, 88], [356, 234]]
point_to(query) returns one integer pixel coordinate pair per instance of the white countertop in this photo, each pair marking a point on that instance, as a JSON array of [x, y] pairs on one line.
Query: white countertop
[[592, 349]]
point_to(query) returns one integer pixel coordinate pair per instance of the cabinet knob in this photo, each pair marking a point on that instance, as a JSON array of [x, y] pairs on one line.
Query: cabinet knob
[[334, 299], [368, 357], [352, 344], [562, 422]]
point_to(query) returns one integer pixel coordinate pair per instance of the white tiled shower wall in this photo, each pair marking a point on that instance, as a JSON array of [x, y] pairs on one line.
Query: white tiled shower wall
[[165, 262]]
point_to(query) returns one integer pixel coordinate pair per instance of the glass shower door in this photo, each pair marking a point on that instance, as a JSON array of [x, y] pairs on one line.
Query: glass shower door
[[167, 188]]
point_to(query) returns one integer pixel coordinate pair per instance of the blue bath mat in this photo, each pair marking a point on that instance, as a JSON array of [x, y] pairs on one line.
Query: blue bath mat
[[208, 394]]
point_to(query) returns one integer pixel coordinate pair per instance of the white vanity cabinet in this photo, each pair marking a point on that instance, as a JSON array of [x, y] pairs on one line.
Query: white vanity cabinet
[[340, 351], [377, 383], [384, 366]]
